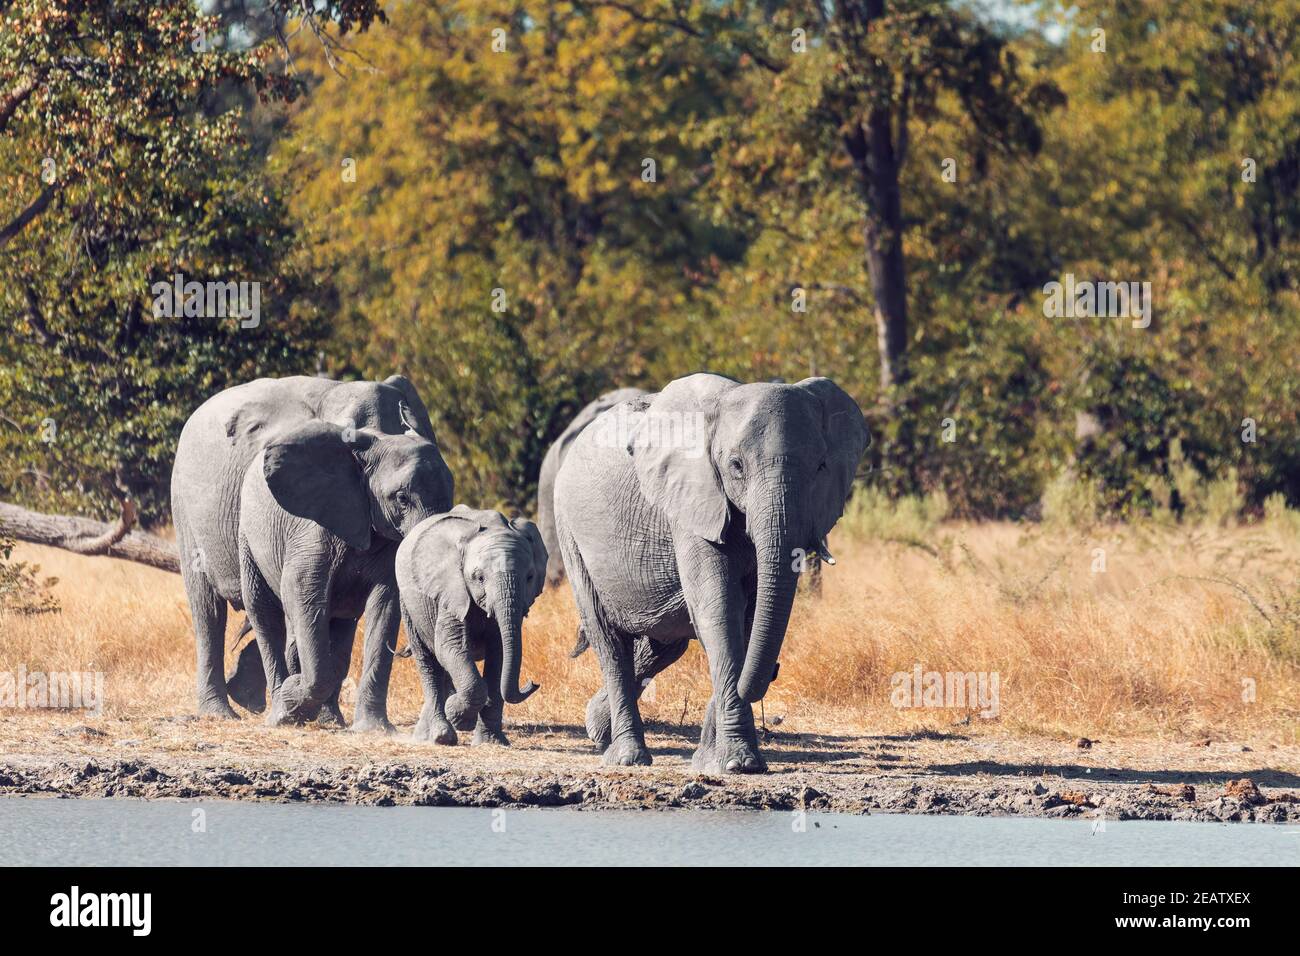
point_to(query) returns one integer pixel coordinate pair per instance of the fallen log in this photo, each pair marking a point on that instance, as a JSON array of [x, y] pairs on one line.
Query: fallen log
[[85, 536]]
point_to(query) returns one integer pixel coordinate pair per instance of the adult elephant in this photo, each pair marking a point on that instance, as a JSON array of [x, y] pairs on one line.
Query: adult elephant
[[696, 525], [551, 467], [217, 446]]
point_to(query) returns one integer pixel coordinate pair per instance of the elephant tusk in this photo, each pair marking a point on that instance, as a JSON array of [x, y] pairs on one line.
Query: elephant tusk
[[825, 552]]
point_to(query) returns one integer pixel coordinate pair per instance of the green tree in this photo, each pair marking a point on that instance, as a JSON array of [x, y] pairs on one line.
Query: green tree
[[505, 205], [118, 174]]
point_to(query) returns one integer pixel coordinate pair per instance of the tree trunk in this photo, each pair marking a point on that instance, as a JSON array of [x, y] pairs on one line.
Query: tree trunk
[[884, 241], [877, 144], [90, 537]]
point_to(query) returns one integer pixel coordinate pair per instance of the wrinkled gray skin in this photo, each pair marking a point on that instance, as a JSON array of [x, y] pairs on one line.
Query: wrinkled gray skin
[[467, 580], [220, 443], [551, 467], [693, 527]]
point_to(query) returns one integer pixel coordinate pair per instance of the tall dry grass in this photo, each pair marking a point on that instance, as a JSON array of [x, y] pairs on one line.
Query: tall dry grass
[[1167, 641]]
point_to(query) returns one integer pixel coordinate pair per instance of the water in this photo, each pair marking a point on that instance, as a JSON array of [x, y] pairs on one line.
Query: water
[[161, 833]]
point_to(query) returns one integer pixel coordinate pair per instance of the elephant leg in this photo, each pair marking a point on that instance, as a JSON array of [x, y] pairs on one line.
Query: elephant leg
[[488, 729], [433, 725], [247, 682], [709, 727], [299, 697], [208, 611], [383, 618], [343, 632], [626, 746], [730, 743], [649, 657], [627, 734], [266, 615]]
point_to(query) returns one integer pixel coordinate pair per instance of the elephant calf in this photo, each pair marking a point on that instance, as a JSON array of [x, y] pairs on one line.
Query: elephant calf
[[467, 579]]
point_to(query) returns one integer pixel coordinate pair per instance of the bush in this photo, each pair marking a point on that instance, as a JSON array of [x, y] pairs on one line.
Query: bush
[[1071, 501], [1278, 515], [872, 514], [21, 590]]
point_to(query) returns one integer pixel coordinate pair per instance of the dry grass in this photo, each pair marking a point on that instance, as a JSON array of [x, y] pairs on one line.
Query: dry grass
[[1157, 646]]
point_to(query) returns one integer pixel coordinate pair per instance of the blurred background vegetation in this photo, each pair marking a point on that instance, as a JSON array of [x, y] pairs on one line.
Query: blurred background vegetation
[[650, 188]]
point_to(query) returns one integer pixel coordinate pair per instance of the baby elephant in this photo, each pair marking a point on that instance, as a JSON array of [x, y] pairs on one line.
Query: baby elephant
[[467, 579]]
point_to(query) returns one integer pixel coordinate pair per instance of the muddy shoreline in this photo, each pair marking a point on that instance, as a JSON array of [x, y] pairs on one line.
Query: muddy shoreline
[[553, 765], [397, 784]]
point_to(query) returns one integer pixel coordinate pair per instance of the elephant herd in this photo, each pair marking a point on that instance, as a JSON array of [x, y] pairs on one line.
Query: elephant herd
[[309, 503]]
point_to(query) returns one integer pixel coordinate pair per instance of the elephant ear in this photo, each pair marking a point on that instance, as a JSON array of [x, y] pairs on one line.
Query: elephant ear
[[529, 530], [414, 415], [314, 474], [439, 559], [255, 422], [847, 437], [671, 450]]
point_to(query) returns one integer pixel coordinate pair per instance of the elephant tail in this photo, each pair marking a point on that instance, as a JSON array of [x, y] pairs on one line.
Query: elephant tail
[[580, 645], [245, 628]]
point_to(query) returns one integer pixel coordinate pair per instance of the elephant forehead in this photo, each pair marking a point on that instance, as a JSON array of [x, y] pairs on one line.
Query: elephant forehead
[[408, 454], [770, 411], [500, 543], [360, 402]]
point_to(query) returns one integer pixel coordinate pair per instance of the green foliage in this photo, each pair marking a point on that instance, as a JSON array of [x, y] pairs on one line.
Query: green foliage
[[22, 590], [520, 170], [441, 167], [1278, 515], [139, 182], [911, 519], [1071, 501]]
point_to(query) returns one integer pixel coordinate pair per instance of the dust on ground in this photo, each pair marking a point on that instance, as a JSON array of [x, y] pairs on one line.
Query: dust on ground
[[553, 765]]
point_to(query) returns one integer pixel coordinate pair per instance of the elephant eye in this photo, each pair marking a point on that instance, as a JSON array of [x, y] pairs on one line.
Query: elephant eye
[[403, 499], [822, 466], [737, 467]]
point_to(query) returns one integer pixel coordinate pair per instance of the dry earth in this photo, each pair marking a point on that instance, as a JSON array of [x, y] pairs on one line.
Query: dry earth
[[553, 765], [1182, 661]]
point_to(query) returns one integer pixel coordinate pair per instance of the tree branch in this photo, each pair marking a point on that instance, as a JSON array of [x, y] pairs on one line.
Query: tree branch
[[84, 536], [37, 206], [10, 102]]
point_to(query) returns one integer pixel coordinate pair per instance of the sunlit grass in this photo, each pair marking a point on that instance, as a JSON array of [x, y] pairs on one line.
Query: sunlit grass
[[1185, 634]]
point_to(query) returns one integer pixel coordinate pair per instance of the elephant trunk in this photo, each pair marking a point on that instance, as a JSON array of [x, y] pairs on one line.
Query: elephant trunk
[[509, 618], [770, 530]]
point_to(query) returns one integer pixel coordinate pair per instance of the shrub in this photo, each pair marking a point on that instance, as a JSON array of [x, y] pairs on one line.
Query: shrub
[[21, 590]]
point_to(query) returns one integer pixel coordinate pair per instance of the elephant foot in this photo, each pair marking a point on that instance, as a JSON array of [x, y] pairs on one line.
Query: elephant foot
[[487, 735], [461, 716], [220, 709], [289, 708], [246, 684], [435, 732], [627, 753], [728, 756], [330, 717], [253, 701], [371, 723], [277, 716], [598, 724]]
